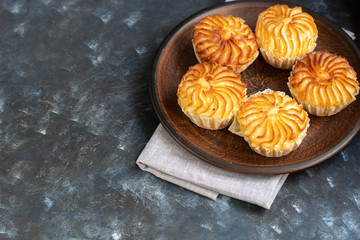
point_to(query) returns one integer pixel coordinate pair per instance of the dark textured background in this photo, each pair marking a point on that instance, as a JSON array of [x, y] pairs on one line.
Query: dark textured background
[[75, 114]]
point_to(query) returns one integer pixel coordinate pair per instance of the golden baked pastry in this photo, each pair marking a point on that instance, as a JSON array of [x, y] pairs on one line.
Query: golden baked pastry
[[323, 83], [225, 40], [285, 34], [209, 94], [272, 123]]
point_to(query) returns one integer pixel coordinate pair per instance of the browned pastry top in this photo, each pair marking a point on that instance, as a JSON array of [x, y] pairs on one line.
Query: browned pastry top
[[324, 80], [286, 32], [272, 120], [225, 40], [211, 90]]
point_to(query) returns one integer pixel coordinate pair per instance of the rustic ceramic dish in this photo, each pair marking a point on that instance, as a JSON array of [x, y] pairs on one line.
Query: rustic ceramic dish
[[326, 135]]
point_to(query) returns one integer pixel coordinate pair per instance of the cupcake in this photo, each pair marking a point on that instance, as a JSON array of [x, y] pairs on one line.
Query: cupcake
[[272, 123], [323, 83], [210, 94], [285, 34], [227, 41]]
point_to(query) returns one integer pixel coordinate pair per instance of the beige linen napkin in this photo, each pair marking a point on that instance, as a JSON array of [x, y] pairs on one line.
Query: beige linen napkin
[[166, 159]]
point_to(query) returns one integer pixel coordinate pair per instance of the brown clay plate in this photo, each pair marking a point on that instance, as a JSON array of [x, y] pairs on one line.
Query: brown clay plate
[[326, 135]]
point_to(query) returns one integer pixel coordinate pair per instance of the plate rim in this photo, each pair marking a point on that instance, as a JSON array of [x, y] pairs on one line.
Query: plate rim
[[260, 170]]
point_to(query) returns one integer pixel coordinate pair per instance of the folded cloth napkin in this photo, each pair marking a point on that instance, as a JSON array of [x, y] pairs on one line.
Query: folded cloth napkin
[[166, 159]]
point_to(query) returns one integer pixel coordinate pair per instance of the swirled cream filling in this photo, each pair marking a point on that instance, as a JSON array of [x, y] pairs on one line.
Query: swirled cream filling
[[211, 90], [227, 41], [272, 121], [324, 80], [286, 32]]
